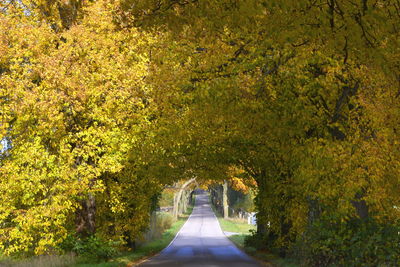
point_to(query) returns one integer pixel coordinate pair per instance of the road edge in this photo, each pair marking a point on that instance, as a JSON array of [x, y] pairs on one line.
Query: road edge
[[260, 262], [143, 260]]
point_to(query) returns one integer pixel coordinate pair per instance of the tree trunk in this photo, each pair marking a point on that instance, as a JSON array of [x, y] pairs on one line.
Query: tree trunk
[[191, 198], [175, 207], [85, 217], [178, 196], [361, 206], [262, 221], [225, 199], [184, 201], [314, 210]]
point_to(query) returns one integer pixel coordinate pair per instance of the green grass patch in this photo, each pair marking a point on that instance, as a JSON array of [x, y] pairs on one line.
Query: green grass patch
[[236, 225], [238, 240]]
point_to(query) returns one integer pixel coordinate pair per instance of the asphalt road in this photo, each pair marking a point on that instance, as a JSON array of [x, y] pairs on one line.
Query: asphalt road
[[201, 242]]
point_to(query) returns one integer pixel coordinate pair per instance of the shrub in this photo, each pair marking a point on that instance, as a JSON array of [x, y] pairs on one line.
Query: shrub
[[352, 243], [92, 248], [164, 221]]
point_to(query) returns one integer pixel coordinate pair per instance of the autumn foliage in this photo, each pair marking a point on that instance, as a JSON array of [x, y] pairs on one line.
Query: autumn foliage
[[105, 102]]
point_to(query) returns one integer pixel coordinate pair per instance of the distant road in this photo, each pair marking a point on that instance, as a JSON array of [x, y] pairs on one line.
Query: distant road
[[201, 242]]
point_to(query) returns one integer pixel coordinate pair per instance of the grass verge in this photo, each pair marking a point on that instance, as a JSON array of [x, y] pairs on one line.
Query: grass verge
[[39, 261], [238, 226]]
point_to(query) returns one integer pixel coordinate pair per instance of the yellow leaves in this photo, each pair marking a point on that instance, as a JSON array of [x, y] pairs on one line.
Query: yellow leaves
[[116, 205], [239, 179], [76, 103], [47, 219], [238, 185]]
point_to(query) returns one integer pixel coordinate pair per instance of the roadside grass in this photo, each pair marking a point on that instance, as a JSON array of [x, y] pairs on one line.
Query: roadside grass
[[129, 258], [243, 230], [233, 225], [40, 261]]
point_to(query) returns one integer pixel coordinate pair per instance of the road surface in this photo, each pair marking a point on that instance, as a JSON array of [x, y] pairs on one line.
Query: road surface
[[201, 242]]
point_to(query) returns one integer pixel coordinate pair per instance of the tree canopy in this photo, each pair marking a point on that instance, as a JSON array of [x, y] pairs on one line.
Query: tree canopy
[[105, 102]]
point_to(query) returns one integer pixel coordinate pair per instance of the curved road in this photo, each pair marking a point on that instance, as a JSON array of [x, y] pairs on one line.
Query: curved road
[[201, 242]]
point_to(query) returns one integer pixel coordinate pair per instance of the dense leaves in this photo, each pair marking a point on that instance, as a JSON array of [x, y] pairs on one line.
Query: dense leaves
[[302, 95], [75, 105], [105, 102]]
